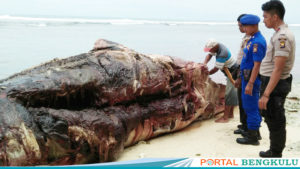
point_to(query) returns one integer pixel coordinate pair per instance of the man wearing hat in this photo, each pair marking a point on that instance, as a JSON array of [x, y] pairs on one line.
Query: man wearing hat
[[227, 64], [275, 76], [254, 53]]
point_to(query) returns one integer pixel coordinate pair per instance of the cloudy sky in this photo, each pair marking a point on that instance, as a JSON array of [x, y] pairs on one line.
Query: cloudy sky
[[191, 10]]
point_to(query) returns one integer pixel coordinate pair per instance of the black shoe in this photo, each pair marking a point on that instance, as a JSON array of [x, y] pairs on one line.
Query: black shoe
[[246, 140], [269, 154], [244, 134], [250, 138], [239, 131]]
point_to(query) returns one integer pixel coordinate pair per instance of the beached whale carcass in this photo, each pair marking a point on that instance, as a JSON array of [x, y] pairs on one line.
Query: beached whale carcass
[[87, 108]]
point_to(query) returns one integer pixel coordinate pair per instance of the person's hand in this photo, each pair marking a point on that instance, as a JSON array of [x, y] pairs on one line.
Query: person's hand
[[263, 101], [249, 88], [237, 83], [206, 71]]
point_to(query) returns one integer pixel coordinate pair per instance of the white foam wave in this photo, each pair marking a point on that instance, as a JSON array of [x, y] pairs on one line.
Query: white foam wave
[[38, 25], [294, 25], [109, 21]]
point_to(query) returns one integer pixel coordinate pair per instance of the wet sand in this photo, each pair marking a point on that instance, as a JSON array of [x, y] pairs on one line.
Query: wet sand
[[205, 139]]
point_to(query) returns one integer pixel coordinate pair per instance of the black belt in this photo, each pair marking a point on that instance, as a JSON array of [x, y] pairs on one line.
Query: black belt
[[246, 74], [282, 88], [267, 78]]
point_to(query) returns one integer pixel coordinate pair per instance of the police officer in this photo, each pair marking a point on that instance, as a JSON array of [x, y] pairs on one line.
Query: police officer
[[275, 75], [254, 53], [242, 128]]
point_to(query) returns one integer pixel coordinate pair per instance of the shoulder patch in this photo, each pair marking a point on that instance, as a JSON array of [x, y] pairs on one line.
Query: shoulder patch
[[282, 41], [254, 48], [282, 44]]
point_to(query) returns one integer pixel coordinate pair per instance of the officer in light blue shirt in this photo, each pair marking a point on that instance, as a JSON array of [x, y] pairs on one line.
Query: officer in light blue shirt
[[254, 53]]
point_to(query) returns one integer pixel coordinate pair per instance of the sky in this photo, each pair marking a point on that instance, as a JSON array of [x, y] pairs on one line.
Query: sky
[[187, 10]]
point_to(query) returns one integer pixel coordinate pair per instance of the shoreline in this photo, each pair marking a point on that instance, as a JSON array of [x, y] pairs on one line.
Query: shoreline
[[206, 138]]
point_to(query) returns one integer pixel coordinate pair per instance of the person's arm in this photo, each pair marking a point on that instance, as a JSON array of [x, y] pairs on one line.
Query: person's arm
[[207, 58], [226, 70], [237, 83], [255, 70], [275, 77], [213, 71]]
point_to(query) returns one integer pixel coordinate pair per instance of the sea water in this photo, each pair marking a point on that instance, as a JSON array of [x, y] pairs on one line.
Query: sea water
[[29, 41]]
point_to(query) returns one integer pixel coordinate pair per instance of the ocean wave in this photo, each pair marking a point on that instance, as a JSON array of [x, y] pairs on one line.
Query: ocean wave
[[45, 21], [38, 25], [108, 21], [294, 25]]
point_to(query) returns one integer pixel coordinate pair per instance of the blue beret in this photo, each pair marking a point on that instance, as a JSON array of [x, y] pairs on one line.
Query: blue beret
[[249, 20]]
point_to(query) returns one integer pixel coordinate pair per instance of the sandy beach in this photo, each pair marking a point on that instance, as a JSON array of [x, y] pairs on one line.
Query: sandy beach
[[209, 139]]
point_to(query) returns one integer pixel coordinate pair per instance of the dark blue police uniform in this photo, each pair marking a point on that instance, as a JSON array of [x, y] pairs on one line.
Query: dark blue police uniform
[[254, 51]]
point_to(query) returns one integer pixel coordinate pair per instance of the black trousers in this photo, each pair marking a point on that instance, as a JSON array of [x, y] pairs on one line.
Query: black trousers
[[243, 115], [275, 113]]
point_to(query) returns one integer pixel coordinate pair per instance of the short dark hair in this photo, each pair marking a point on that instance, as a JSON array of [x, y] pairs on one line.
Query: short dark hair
[[239, 18], [275, 7]]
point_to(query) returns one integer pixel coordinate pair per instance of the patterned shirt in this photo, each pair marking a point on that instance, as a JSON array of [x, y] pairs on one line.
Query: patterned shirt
[[223, 58]]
